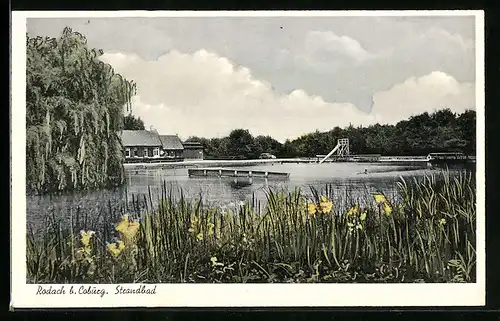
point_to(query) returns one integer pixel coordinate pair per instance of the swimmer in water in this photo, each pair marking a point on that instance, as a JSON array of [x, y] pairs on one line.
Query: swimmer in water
[[366, 171]]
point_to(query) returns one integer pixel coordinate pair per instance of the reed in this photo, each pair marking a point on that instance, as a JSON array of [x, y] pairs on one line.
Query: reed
[[425, 233]]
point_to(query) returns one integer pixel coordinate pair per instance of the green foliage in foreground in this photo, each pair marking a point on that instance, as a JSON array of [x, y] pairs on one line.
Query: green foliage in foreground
[[74, 112], [426, 236]]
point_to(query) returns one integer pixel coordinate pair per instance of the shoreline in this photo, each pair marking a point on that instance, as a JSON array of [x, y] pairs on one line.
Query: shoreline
[[216, 163], [384, 160]]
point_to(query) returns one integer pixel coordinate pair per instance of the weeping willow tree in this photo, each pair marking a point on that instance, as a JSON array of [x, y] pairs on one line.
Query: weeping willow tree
[[75, 106]]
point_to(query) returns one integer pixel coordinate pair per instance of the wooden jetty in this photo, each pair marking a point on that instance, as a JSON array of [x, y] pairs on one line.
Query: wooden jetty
[[403, 159], [232, 172]]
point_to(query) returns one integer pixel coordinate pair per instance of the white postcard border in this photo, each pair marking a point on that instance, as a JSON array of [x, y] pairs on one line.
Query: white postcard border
[[231, 295]]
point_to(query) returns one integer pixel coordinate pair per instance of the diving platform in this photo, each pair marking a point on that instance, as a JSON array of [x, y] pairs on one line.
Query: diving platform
[[341, 150]]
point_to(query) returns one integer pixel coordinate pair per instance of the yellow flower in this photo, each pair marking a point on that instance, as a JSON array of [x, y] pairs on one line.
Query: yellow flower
[[131, 232], [199, 236], [311, 208], [387, 208], [363, 216], [85, 237], [86, 250], [128, 229], [113, 249], [353, 210], [210, 229], [382, 201], [442, 221], [379, 198], [116, 248], [326, 205], [123, 224], [194, 224]]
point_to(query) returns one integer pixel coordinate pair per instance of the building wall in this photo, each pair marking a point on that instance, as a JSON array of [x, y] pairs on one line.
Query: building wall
[[172, 153], [142, 152], [193, 153]]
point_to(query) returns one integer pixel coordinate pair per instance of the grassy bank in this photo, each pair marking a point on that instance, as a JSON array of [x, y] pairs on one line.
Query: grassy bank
[[426, 234]]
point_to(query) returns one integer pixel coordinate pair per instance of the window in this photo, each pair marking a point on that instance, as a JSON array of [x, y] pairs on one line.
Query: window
[[135, 152], [127, 152], [145, 152], [156, 152]]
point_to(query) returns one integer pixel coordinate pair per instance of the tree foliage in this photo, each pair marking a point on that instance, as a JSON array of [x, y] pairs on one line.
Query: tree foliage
[[74, 112], [441, 131], [132, 123]]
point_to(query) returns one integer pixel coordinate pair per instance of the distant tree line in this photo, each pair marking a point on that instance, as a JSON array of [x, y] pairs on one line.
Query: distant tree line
[[74, 111], [441, 131]]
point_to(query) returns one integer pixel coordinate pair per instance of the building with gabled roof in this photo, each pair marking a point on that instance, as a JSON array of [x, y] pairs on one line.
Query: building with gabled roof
[[148, 145], [141, 144], [171, 146]]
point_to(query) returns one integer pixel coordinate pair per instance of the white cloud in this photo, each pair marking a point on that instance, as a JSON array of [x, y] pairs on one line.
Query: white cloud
[[325, 51], [428, 93], [328, 43], [341, 67], [206, 95], [346, 59], [430, 50], [443, 38]]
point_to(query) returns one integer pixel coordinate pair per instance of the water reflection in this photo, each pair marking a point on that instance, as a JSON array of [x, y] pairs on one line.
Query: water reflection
[[348, 179]]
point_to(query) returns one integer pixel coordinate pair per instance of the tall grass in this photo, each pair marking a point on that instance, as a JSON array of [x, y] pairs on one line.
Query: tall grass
[[425, 234]]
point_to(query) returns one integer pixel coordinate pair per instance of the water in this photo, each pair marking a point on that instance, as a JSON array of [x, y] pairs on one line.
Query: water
[[345, 178]]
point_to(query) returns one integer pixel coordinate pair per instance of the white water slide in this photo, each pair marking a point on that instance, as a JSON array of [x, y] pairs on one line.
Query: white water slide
[[330, 153]]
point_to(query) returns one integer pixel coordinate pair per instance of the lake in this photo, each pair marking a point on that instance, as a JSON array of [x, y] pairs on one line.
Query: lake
[[345, 178]]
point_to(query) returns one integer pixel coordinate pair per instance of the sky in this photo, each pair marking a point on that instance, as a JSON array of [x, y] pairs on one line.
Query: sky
[[283, 76]]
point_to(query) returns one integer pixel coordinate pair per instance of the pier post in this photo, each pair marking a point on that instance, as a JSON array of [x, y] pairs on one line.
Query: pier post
[[250, 174], [266, 174], [235, 173], [205, 172], [220, 172]]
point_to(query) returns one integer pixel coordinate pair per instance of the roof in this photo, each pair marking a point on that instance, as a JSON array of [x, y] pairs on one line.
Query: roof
[[171, 142], [192, 145], [140, 138]]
